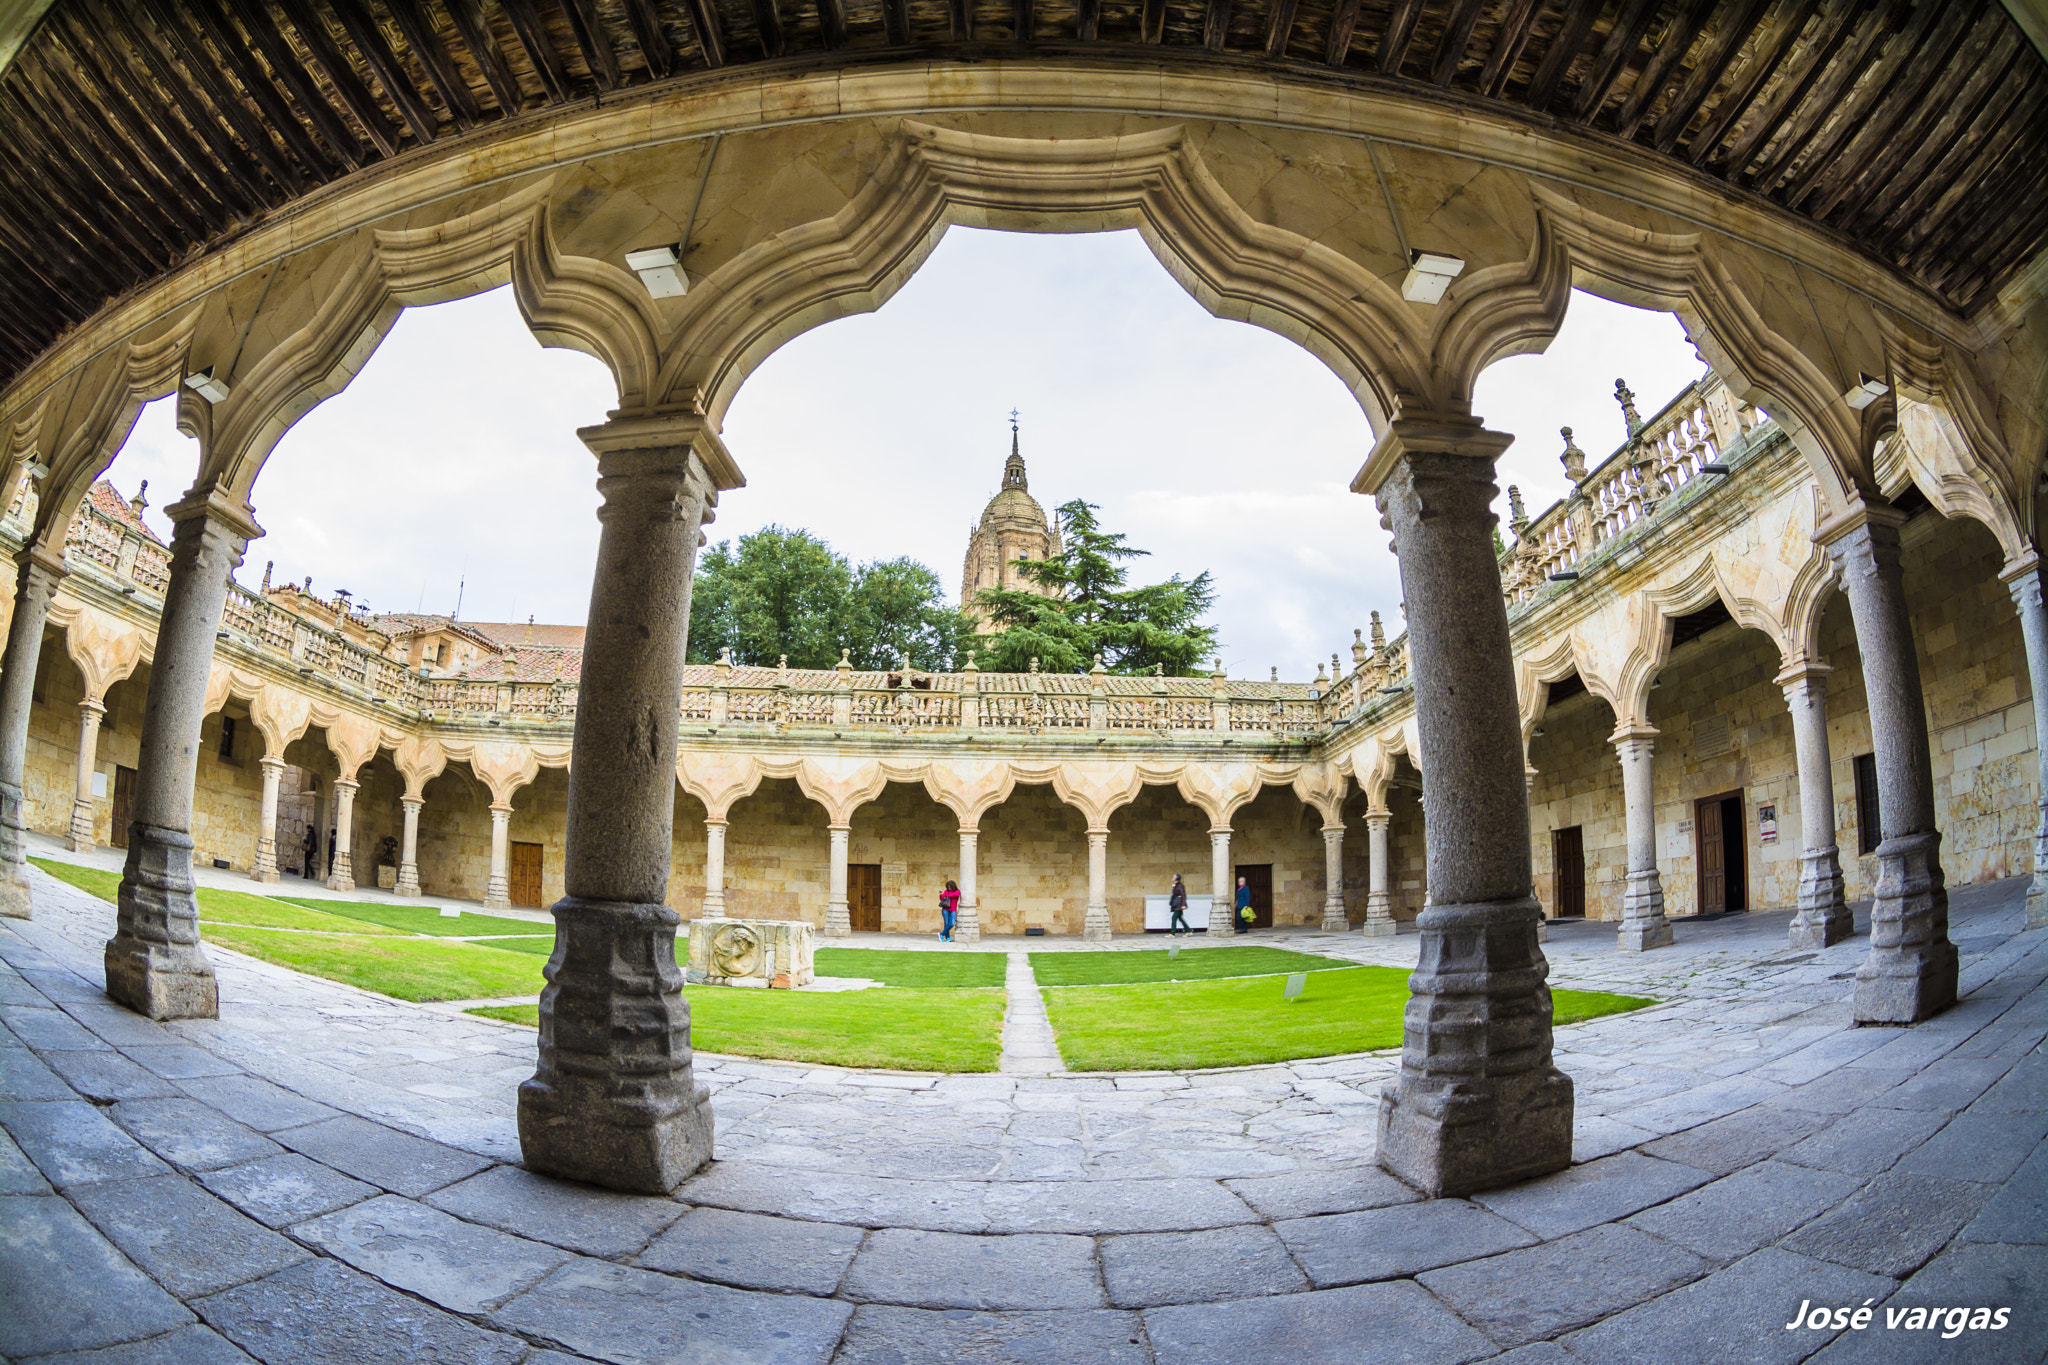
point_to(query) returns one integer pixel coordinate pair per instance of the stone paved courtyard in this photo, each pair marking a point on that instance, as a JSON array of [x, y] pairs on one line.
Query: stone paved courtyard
[[327, 1175]]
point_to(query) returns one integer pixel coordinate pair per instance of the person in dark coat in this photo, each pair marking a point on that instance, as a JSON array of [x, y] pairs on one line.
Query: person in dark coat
[[1243, 916], [307, 846], [1177, 901]]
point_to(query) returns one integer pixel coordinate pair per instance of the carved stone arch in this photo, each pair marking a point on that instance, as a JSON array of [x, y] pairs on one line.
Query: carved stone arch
[[1220, 790], [1096, 789], [419, 760], [1943, 435], [970, 788], [1323, 787], [930, 178], [719, 778], [1504, 310], [841, 785], [1534, 673], [352, 739], [105, 648], [282, 715], [1771, 575], [571, 302], [224, 681], [502, 768], [1683, 273]]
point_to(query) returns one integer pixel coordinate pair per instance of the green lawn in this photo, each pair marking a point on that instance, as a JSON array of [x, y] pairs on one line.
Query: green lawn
[[1193, 964], [409, 968], [904, 1029], [904, 968], [426, 919], [232, 907], [542, 944], [1168, 1026]]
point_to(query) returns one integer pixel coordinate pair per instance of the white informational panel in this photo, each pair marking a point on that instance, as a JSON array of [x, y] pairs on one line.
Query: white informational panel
[[1157, 916]]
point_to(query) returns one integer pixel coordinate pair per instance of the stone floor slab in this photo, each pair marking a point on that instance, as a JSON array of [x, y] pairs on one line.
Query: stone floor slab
[[460, 1266], [2022, 1090], [637, 1317], [107, 1076], [52, 1030], [18, 1175], [72, 1143], [920, 1269], [1305, 1194], [180, 1061], [323, 1313], [1383, 1244], [400, 1162], [880, 1335], [23, 1076], [2018, 1213], [1950, 1084], [188, 1241], [1894, 1224], [1403, 1323], [1867, 1141], [1597, 1192], [47, 1251], [1541, 1291], [1102, 1207], [1150, 1269], [1735, 1317], [190, 1134], [754, 1251], [256, 1102], [185, 1346], [577, 1217], [286, 1189], [1752, 1208], [1730, 1143], [1982, 1147]]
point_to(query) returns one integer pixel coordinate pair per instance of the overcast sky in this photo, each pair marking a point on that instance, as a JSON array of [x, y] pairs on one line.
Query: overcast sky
[[452, 465]]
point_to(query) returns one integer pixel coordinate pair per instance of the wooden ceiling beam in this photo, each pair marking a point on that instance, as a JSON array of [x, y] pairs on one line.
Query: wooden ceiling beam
[[416, 26], [586, 26], [269, 41], [1880, 105], [319, 43], [1558, 59], [114, 150], [1937, 129], [645, 22], [896, 22], [1768, 64], [960, 21], [1087, 18], [1399, 36], [362, 30], [710, 31], [2012, 167], [832, 23], [2012, 111], [245, 127], [768, 23], [1456, 38], [1517, 22], [1336, 50], [1865, 60], [532, 34], [1736, 26], [271, 107], [1837, 26], [1678, 40], [60, 187], [53, 235], [475, 32], [1623, 40], [1279, 27], [2003, 214], [1981, 182], [1215, 23]]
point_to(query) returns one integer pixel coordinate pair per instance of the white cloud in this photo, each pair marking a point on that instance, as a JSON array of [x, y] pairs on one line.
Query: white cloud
[[1215, 445]]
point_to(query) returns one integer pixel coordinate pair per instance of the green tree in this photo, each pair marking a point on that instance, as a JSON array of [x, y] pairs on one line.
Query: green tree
[[786, 592], [1134, 630]]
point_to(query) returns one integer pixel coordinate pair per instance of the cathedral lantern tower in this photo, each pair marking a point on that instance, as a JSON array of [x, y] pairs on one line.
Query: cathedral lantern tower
[[1013, 526]]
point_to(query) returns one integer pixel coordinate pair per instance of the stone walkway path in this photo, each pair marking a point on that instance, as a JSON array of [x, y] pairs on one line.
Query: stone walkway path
[[1028, 1046], [326, 1175]]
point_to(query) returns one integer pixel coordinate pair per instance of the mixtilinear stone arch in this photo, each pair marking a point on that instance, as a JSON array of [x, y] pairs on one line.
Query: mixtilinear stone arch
[[794, 197]]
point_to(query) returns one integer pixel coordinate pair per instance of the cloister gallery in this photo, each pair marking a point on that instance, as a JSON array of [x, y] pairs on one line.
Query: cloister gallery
[[1780, 650]]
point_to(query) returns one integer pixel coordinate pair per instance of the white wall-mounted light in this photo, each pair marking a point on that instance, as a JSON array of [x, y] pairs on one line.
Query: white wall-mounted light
[[38, 471], [1428, 276], [660, 269], [206, 386], [1867, 390]]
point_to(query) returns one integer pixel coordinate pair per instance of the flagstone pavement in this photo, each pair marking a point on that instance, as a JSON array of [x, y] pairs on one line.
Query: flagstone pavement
[[325, 1175]]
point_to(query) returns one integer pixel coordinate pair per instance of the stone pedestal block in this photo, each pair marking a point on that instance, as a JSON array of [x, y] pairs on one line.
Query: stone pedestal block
[[1478, 1103], [1911, 972], [614, 1100], [1643, 925], [1095, 926], [760, 952], [154, 963], [1823, 916]]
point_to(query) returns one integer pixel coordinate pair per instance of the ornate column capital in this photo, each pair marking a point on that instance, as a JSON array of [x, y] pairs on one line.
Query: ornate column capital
[[1427, 434], [677, 436]]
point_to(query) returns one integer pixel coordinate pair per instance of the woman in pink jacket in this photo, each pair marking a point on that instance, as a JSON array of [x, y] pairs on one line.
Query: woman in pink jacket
[[949, 909]]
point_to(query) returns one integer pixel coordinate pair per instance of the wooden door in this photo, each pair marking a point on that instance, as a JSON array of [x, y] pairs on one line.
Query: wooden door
[[864, 896], [1568, 873], [124, 804], [524, 880], [1711, 844], [1258, 879]]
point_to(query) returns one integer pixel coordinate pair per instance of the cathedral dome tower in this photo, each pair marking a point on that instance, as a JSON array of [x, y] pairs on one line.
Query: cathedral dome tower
[[1013, 526]]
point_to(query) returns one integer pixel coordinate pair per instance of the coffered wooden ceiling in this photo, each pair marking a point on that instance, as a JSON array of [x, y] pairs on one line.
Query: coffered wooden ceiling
[[136, 132]]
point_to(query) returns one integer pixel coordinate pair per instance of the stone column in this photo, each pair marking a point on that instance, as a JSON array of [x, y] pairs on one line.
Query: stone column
[[1095, 925], [614, 1099], [409, 848], [265, 867], [343, 875], [498, 891], [81, 834], [714, 868], [1379, 908], [1222, 884], [154, 963], [1335, 918], [1911, 972], [1823, 916], [2025, 584], [967, 924], [1643, 925], [39, 574], [838, 922], [1478, 1103]]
